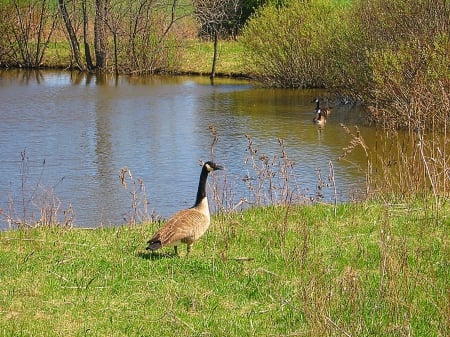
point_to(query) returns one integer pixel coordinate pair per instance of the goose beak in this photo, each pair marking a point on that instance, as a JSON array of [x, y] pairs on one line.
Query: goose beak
[[218, 167]]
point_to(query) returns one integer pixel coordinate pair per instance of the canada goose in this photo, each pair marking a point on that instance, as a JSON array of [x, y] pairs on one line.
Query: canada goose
[[325, 111], [320, 118], [187, 225]]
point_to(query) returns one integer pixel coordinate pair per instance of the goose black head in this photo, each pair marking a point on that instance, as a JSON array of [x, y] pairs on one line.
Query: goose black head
[[212, 166]]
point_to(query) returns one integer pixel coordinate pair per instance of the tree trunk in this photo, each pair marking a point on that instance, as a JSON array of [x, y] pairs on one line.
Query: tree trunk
[[72, 36], [213, 69], [116, 66], [87, 50], [100, 34]]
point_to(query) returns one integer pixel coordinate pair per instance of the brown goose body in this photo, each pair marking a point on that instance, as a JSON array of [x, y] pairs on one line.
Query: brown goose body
[[320, 118], [188, 225]]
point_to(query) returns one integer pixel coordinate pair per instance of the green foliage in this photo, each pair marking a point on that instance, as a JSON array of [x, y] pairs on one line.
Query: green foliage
[[405, 70], [411, 83], [393, 55], [371, 269], [288, 46]]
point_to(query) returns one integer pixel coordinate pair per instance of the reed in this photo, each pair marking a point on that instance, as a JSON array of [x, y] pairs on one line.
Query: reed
[[271, 178], [405, 165], [139, 204], [416, 164], [37, 204]]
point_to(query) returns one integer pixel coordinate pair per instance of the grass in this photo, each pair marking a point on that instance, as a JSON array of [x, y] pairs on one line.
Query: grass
[[58, 55], [197, 58], [370, 270]]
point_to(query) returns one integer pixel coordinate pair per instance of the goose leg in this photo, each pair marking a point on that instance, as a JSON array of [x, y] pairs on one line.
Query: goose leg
[[188, 249]]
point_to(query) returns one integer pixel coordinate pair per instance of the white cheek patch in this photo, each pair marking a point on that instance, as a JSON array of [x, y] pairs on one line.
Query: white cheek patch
[[208, 167]]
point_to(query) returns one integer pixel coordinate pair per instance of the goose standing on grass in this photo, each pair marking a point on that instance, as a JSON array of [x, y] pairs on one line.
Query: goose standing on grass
[[188, 225]]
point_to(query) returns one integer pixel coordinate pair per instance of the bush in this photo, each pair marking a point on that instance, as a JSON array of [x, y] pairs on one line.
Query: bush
[[26, 31], [393, 55], [404, 75], [288, 46], [411, 85]]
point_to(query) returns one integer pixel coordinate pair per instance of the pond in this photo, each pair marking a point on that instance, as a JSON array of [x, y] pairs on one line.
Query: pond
[[66, 136]]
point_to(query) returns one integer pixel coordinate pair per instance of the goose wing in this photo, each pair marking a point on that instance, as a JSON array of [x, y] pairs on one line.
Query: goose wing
[[185, 226]]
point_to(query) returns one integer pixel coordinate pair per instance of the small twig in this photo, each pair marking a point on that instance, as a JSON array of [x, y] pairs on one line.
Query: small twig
[[337, 326], [244, 259], [267, 271], [182, 322], [40, 240], [59, 276], [215, 134]]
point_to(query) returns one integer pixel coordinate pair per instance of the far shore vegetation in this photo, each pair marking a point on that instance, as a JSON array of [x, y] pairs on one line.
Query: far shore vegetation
[[283, 265], [392, 55]]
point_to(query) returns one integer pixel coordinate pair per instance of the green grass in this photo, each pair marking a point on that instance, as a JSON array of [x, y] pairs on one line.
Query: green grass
[[58, 55], [369, 270], [197, 58]]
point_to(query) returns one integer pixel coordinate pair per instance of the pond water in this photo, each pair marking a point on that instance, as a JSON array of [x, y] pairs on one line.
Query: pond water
[[65, 137]]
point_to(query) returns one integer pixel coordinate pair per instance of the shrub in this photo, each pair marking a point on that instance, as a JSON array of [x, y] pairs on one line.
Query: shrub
[[393, 55], [397, 61], [410, 85], [288, 46]]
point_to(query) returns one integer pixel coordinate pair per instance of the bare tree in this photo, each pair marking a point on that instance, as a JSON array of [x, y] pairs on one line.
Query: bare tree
[[101, 13], [117, 15], [7, 29], [75, 46], [139, 29], [87, 49], [101, 9], [217, 17], [138, 33], [34, 24]]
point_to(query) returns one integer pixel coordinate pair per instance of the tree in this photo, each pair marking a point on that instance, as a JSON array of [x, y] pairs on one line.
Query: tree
[[101, 12], [216, 17], [71, 32], [138, 33], [26, 31], [87, 49]]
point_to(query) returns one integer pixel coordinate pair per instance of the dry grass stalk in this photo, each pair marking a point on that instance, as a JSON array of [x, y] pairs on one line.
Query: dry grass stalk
[[139, 202], [38, 205], [274, 180], [358, 141]]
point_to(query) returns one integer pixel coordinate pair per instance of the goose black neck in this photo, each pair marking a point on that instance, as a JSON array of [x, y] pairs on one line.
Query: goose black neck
[[201, 192], [317, 105]]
